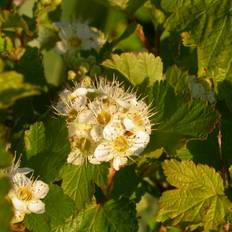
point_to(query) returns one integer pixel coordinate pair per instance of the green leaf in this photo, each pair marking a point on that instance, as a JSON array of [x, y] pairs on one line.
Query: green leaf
[[52, 154], [31, 67], [125, 182], [209, 26], [78, 181], [198, 197], [5, 157], [137, 67], [189, 85], [209, 151], [114, 216], [37, 223], [178, 120], [6, 211], [13, 88], [58, 205], [35, 139], [127, 5]]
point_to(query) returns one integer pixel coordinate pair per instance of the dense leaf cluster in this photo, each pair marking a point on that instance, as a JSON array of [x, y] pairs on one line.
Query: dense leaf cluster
[[174, 54]]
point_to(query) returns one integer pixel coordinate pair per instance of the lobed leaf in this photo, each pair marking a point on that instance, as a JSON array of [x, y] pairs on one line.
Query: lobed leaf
[[177, 119], [198, 195], [137, 67], [209, 27]]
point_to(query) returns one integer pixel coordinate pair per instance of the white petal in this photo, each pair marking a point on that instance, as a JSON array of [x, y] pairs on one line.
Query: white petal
[[139, 142], [93, 160], [128, 123], [96, 133], [75, 158], [36, 206], [20, 179], [103, 152], [18, 204], [79, 92], [113, 129], [79, 102], [85, 116], [118, 162], [40, 189], [24, 171]]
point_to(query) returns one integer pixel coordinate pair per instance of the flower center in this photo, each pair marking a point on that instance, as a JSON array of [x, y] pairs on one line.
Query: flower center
[[103, 117], [74, 42], [24, 193], [121, 144], [83, 144], [72, 115]]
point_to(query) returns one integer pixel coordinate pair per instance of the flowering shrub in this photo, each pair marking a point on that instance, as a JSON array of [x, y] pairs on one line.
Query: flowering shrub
[[115, 116]]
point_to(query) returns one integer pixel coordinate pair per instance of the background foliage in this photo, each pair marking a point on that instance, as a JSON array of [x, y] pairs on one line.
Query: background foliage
[[177, 54]]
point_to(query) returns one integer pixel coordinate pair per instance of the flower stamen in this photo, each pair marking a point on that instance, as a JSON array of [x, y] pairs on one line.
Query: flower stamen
[[120, 144]]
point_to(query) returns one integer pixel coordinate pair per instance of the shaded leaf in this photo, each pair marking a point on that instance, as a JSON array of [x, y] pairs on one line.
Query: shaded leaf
[[125, 182], [6, 211], [5, 157], [114, 216], [58, 206], [37, 223], [178, 120], [31, 67]]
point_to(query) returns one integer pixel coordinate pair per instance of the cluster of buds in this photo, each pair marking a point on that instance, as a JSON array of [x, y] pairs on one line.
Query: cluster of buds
[[105, 122], [78, 36], [26, 192]]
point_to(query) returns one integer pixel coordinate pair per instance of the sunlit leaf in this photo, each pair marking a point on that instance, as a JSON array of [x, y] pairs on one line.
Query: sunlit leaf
[[198, 195], [137, 67]]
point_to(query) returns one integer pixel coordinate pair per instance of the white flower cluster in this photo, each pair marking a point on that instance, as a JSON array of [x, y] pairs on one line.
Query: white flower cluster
[[26, 193], [105, 123], [78, 36]]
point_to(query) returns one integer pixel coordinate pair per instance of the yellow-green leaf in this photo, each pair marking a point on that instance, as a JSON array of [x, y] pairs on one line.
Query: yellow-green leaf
[[198, 196], [137, 67]]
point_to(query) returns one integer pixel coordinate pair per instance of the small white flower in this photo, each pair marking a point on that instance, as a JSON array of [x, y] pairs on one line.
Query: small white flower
[[26, 195], [78, 36], [137, 118], [121, 147], [72, 101]]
